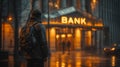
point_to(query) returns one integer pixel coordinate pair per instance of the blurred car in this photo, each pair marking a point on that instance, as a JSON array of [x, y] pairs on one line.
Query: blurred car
[[109, 50], [112, 50]]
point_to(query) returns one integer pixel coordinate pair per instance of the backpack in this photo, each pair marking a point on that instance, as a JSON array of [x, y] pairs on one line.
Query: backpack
[[28, 43]]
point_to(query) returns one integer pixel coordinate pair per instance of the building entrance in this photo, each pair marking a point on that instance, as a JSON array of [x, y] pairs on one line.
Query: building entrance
[[64, 40]]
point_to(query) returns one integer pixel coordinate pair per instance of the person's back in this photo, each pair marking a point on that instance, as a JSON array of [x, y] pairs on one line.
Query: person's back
[[41, 41], [39, 50]]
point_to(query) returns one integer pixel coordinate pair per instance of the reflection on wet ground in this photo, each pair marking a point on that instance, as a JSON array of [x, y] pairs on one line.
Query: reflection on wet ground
[[78, 59], [82, 59]]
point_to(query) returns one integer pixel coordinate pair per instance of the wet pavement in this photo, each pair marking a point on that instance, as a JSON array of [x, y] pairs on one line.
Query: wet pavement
[[83, 59], [77, 59]]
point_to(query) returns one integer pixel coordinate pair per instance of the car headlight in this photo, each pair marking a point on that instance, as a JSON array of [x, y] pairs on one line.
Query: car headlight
[[112, 49]]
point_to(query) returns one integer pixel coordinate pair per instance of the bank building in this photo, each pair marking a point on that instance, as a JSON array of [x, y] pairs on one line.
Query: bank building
[[81, 30], [67, 20]]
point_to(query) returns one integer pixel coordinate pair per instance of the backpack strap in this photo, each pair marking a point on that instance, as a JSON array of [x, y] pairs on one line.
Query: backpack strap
[[34, 26]]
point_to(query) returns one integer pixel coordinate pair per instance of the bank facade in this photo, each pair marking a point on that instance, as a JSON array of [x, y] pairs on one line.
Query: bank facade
[[82, 30], [68, 21]]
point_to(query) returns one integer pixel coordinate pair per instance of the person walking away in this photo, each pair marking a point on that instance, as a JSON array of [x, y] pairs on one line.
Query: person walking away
[[63, 46], [68, 46]]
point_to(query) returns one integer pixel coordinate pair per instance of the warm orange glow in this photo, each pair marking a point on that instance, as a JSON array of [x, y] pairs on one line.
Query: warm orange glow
[[63, 64], [98, 24], [81, 28], [92, 59], [6, 28], [7, 37], [93, 4], [89, 38], [77, 33], [78, 4], [69, 65], [113, 61], [93, 29], [10, 18], [78, 62], [63, 35], [89, 24], [71, 20], [94, 1], [113, 49], [57, 64], [58, 3], [77, 39], [57, 36], [52, 37], [52, 33], [69, 35], [89, 61], [57, 6]]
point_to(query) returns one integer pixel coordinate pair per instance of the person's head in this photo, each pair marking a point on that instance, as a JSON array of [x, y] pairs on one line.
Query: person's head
[[36, 15]]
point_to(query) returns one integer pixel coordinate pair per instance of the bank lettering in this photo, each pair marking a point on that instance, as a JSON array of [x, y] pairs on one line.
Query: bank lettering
[[71, 20]]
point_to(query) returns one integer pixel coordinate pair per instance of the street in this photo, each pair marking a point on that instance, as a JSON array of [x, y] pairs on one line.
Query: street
[[78, 59], [82, 59]]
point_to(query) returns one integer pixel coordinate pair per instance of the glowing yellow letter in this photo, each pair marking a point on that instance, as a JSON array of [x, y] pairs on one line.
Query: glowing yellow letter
[[77, 20], [83, 21], [64, 19], [70, 21]]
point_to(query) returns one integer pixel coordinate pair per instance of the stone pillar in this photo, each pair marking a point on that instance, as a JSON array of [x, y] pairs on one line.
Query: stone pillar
[[98, 40], [83, 39], [63, 3], [74, 3], [25, 11], [102, 39], [0, 24], [36, 4], [44, 6], [88, 6], [77, 39], [93, 38], [83, 5]]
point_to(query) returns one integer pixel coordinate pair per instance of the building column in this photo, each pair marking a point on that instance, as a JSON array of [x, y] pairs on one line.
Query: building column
[[36, 4], [74, 3], [98, 39], [106, 36], [77, 39], [63, 4], [83, 39], [25, 11], [52, 39], [82, 5], [1, 24], [88, 6], [44, 6], [94, 38], [101, 39]]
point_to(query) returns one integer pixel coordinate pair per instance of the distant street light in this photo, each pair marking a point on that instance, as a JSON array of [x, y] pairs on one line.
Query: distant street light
[[9, 18]]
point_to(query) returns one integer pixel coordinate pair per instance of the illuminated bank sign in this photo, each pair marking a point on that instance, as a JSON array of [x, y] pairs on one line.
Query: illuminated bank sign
[[71, 20]]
